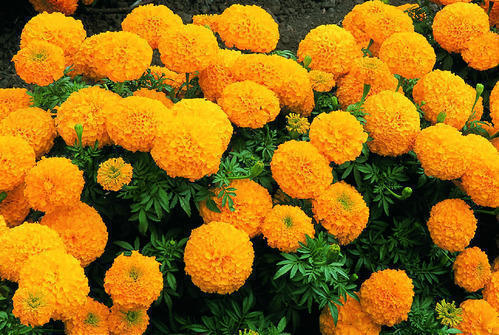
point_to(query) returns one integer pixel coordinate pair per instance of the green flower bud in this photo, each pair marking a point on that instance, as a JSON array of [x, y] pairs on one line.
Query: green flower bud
[[79, 133], [479, 89], [306, 61], [256, 169]]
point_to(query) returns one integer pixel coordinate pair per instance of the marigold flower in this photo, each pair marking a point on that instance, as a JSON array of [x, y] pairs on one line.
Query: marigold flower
[[114, 173], [321, 81], [91, 318], [481, 52], [174, 79], [214, 78], [20, 243], [248, 104], [208, 20], [297, 124], [12, 99], [218, 257], [152, 94], [14, 208], [364, 71], [300, 169], [331, 48], [247, 28], [494, 11], [187, 48], [448, 314], [351, 320], [54, 183], [150, 21], [39, 63], [68, 7], [472, 269], [86, 107], [338, 136], [494, 106], [457, 23], [33, 306], [134, 281], [124, 321], [392, 121], [481, 150], [481, 181], [34, 125], [58, 29], [387, 296], [442, 151], [252, 203], [491, 291], [17, 157], [341, 209], [479, 318]]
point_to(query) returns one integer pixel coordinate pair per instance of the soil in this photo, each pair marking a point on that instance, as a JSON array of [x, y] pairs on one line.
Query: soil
[[295, 19]]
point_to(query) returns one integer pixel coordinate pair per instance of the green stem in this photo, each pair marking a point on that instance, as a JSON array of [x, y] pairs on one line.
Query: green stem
[[400, 82], [365, 92], [484, 211], [366, 51], [406, 193]]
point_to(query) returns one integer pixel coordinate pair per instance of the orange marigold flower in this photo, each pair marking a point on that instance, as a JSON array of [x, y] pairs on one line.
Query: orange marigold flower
[[321, 81], [152, 94], [114, 173], [408, 54], [218, 257], [481, 52], [300, 169], [481, 181], [341, 209], [331, 48], [33, 306], [452, 224], [20, 243], [54, 183], [365, 70], [393, 122], [481, 150], [188, 48], [134, 281], [91, 318], [14, 208], [494, 12], [457, 23], [39, 63], [58, 29], [124, 321], [247, 28], [351, 320], [82, 230], [34, 125], [472, 269], [169, 77], [12, 99], [214, 78], [67, 7], [248, 104], [17, 157], [86, 107], [208, 20], [150, 21], [413, 10], [285, 226], [494, 106], [252, 203], [387, 296], [338, 136], [491, 291], [479, 318]]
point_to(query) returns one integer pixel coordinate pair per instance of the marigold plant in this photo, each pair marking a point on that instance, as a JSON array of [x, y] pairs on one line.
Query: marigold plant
[[17, 157], [114, 173], [472, 269]]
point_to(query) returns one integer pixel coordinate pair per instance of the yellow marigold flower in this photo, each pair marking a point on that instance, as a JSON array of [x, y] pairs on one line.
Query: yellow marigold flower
[[321, 81], [152, 94], [123, 321], [82, 230], [392, 121], [39, 63], [114, 173], [285, 226], [33, 306], [117, 55], [248, 104], [479, 318], [218, 257], [297, 124], [252, 203], [134, 281], [67, 7], [132, 122], [20, 243], [90, 319], [187, 48], [472, 269], [338, 136], [247, 28], [58, 29], [481, 150], [452, 224], [14, 208], [300, 169], [365, 70], [457, 23], [171, 78], [442, 151], [387, 296], [331, 48], [341, 209], [12, 99], [491, 291], [17, 157], [206, 20], [54, 183], [494, 106], [351, 320], [34, 125], [150, 21], [86, 107], [481, 52], [448, 314], [481, 181], [412, 9]]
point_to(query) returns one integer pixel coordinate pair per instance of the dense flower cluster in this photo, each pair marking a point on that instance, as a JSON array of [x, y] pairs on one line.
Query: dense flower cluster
[[14, 208], [114, 173], [472, 269], [12, 99], [478, 318], [17, 157], [214, 78]]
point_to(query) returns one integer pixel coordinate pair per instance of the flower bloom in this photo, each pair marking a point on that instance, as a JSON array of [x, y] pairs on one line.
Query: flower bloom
[[91, 318], [448, 314], [479, 318], [12, 99], [14, 208], [152, 94], [297, 124], [472, 269], [491, 291], [218, 257], [33, 306], [321, 81], [481, 52], [67, 7], [123, 321], [494, 106], [494, 12], [17, 157], [215, 77], [114, 173]]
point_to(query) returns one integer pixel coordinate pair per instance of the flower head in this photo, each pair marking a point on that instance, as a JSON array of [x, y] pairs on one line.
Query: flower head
[[67, 7], [214, 78], [114, 173], [152, 94], [14, 208], [448, 314], [17, 157], [91, 318], [491, 291], [128, 321], [481, 52], [33, 306], [12, 99], [321, 81], [494, 106], [472, 269], [297, 124], [479, 318]]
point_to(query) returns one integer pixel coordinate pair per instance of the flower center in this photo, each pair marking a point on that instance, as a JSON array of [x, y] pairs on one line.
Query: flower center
[[288, 221], [92, 319]]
